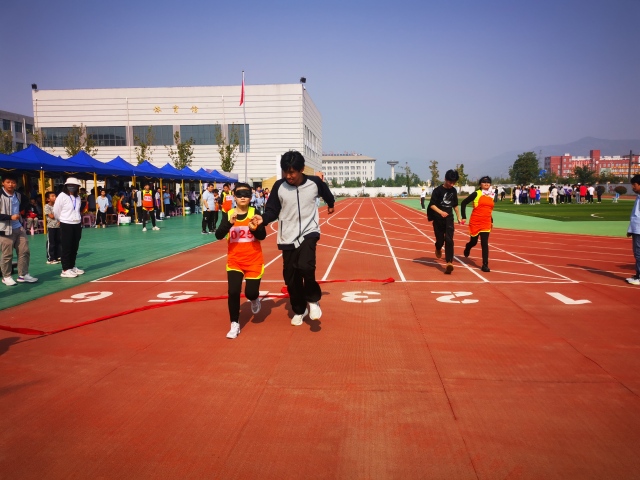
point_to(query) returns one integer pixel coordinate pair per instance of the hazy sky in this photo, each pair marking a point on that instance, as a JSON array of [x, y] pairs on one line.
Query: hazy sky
[[453, 81]]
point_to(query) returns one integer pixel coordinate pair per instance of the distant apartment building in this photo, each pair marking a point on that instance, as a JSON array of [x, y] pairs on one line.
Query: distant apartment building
[[618, 165], [348, 166], [20, 127]]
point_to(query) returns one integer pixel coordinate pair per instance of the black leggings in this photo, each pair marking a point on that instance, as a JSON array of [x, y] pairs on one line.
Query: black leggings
[[484, 242], [251, 291], [145, 217]]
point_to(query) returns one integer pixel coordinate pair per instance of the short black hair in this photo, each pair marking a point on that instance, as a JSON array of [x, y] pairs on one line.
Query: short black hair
[[242, 186], [452, 175], [636, 179], [9, 176], [485, 179], [292, 159]]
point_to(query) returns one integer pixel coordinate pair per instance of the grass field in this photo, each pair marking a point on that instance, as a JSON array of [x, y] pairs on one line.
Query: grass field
[[607, 211]]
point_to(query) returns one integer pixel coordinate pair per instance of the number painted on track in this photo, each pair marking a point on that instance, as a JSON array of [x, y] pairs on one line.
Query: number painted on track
[[360, 297], [450, 297], [86, 297], [566, 300], [173, 296]]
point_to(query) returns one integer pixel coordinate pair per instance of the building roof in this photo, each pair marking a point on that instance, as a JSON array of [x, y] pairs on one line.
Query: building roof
[[344, 156]]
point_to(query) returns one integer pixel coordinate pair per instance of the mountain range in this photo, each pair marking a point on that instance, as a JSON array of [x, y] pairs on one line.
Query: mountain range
[[499, 165]]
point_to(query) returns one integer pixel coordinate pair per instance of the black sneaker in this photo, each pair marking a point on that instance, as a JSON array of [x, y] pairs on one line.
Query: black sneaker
[[204, 233], [448, 269], [467, 251], [485, 268]]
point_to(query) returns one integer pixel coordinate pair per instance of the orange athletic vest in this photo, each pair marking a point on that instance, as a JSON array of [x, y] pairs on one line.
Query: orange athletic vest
[[244, 248], [147, 200], [480, 220]]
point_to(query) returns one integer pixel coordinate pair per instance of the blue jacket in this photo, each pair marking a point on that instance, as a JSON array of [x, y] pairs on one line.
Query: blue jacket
[[634, 225]]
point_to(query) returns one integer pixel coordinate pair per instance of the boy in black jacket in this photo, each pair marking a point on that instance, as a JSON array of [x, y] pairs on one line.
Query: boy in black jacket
[[444, 200]]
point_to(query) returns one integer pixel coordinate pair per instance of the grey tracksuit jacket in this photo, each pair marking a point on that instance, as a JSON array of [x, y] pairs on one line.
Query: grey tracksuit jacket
[[296, 210]]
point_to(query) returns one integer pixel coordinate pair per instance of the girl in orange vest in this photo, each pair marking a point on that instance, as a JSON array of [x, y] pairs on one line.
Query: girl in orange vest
[[481, 220], [148, 207], [244, 259]]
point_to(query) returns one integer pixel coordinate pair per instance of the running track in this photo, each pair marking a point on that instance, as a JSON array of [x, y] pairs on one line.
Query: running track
[[530, 371]]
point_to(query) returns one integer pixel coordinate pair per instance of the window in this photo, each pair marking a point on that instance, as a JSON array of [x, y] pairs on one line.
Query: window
[[201, 134], [108, 136], [54, 137], [162, 134], [239, 129], [17, 126], [6, 125], [29, 128], [19, 146]]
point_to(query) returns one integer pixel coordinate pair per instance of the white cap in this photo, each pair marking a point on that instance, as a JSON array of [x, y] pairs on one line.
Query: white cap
[[72, 181]]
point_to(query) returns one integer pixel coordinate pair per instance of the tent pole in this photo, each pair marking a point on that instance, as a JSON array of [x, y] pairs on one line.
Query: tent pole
[[161, 199], [134, 201], [95, 193], [182, 198], [44, 217]]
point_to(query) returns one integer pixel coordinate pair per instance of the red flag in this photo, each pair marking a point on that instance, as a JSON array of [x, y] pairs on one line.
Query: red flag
[[242, 92]]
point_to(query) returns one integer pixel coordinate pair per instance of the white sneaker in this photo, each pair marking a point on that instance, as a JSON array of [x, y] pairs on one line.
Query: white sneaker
[[77, 271], [633, 281], [297, 319], [314, 311], [235, 330], [156, 228], [52, 262], [255, 306], [9, 281], [27, 278], [68, 274], [144, 229]]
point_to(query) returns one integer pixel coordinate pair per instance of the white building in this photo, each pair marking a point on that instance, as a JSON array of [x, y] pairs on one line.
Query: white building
[[19, 126], [278, 118], [348, 166]]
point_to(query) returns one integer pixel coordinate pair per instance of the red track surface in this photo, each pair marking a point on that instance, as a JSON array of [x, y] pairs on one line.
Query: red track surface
[[530, 371]]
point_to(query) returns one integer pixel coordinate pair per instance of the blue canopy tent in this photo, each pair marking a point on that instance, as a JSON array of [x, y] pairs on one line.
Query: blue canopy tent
[[219, 177], [148, 170], [121, 163], [33, 159], [190, 174], [204, 176], [98, 167]]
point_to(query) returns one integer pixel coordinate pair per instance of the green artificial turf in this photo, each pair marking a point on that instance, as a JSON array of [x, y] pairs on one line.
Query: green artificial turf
[[607, 211]]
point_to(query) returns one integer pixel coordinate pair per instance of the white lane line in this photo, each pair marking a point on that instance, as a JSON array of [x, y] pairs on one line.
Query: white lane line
[[344, 238], [393, 255], [433, 240], [196, 268]]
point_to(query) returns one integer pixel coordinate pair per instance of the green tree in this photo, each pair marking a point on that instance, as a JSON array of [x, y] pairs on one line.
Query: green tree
[[584, 175], [77, 139], [525, 169], [464, 177], [6, 142], [144, 149], [228, 150], [435, 173], [182, 156]]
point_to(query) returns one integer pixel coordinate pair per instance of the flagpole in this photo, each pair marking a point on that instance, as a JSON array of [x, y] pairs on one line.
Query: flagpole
[[244, 127]]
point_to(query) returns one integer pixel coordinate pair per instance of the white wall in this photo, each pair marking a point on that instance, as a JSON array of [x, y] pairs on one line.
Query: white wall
[[274, 113]]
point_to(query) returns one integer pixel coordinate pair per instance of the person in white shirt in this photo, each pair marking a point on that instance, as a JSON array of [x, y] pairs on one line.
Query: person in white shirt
[[423, 195], [66, 209], [103, 205], [209, 208]]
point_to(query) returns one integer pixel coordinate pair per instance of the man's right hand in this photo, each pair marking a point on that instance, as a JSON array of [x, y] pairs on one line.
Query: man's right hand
[[258, 219]]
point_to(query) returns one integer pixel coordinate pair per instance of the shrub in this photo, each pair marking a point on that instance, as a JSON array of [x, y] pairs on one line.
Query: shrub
[[621, 189], [381, 194]]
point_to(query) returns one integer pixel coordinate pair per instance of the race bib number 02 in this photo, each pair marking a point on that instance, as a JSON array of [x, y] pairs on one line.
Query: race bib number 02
[[240, 235]]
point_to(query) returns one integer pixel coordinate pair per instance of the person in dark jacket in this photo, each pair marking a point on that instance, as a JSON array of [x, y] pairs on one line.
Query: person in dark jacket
[[293, 202]]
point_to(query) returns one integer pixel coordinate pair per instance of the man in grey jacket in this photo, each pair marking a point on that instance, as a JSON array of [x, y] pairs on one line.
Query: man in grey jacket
[[292, 202], [12, 234]]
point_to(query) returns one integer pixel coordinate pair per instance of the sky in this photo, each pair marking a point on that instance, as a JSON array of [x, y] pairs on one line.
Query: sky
[[454, 81]]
